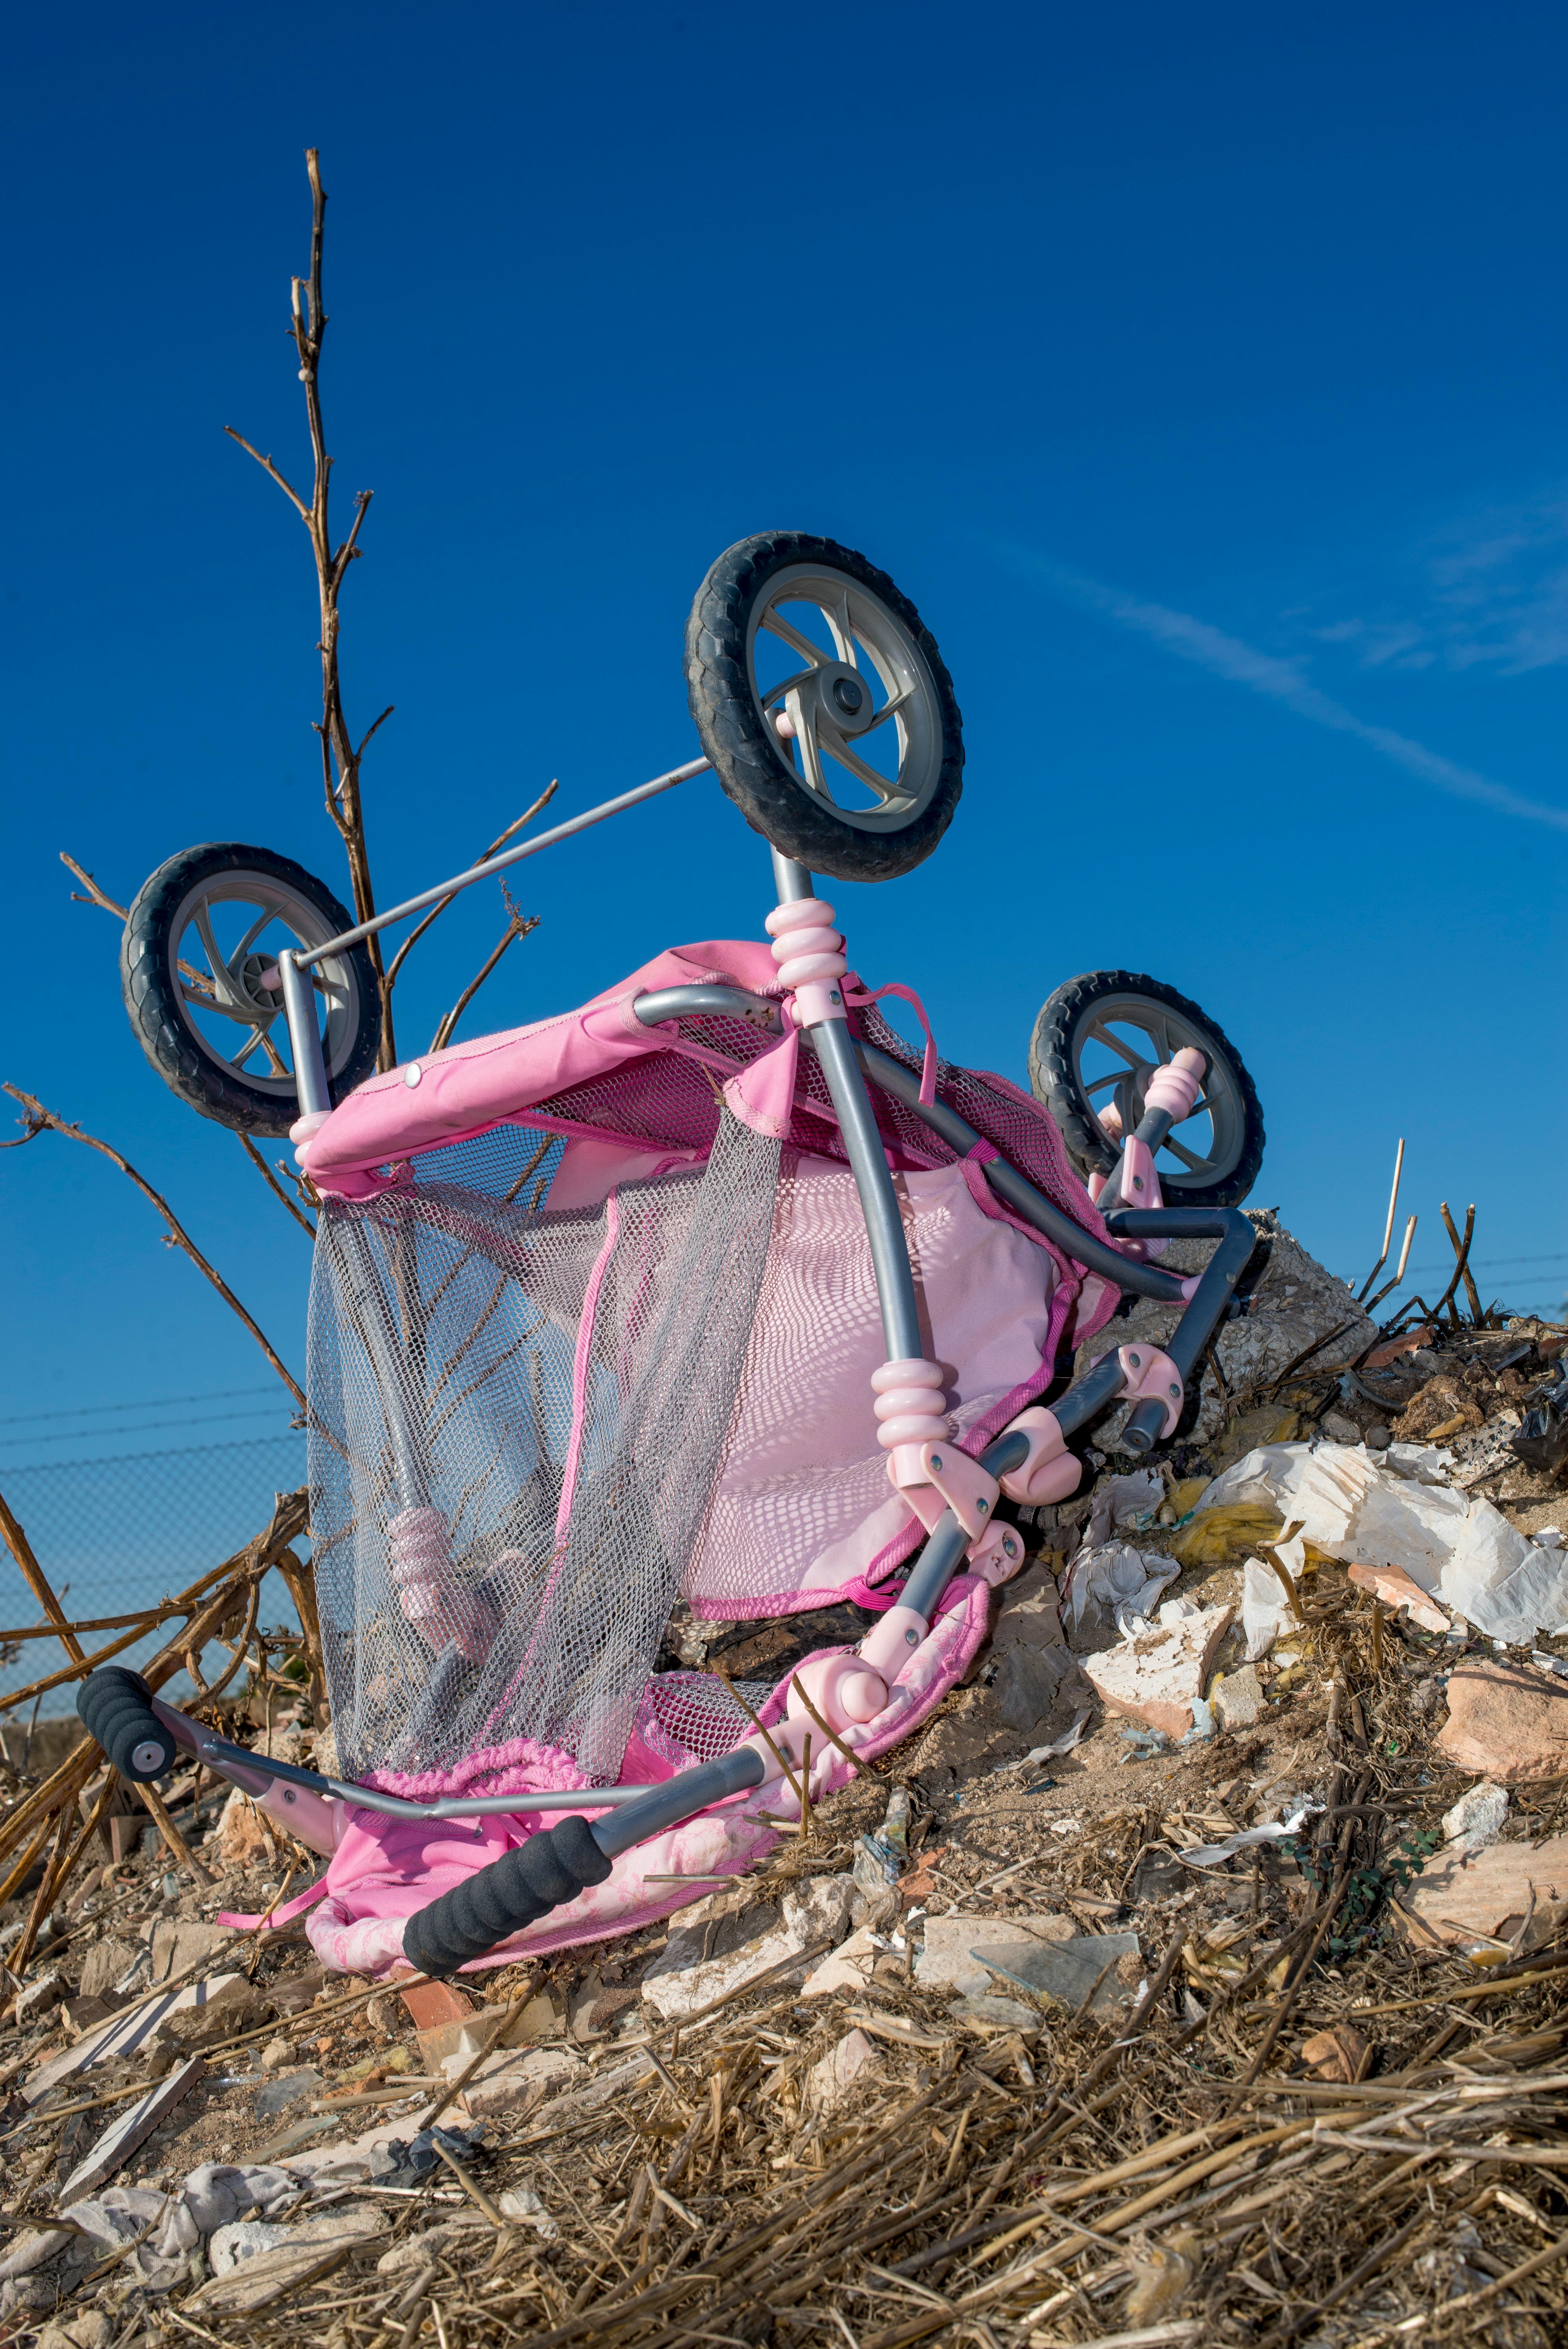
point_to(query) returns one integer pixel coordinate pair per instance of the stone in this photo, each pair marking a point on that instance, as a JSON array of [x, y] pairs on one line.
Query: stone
[[945, 1962], [681, 1980], [1336, 2054], [1460, 1894], [237, 2007], [278, 2055], [179, 1945], [540, 2019], [242, 2239], [1238, 1698], [848, 1967], [91, 2330], [830, 2082], [242, 1836], [35, 1997], [106, 1964], [1294, 1303], [506, 2079], [1026, 1683], [1396, 1589], [1507, 1721], [1339, 1429], [459, 2234], [1159, 1676], [1476, 1819], [993, 2014]]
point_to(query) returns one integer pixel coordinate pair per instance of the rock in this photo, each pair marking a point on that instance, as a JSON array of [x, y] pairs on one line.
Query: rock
[[1462, 1893], [241, 1838], [829, 2081], [1294, 1303], [1507, 1721], [457, 2234], [1238, 1698], [104, 1965], [236, 2008], [994, 2013], [35, 1997], [848, 1967], [91, 2330], [1338, 1429], [1336, 2054], [508, 2079], [680, 1980], [278, 2055], [540, 2019], [1159, 1676], [946, 1963], [1477, 1817], [242, 2239], [177, 1944], [1395, 1590]]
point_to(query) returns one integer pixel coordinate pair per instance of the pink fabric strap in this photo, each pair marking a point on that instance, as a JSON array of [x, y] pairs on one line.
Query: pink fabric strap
[[861, 995], [280, 1916]]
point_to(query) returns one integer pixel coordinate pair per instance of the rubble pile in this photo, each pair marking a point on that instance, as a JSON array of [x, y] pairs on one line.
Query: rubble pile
[[1192, 1976]]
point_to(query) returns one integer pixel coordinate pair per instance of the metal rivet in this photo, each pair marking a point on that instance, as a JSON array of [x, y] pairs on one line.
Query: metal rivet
[[1176, 1391], [913, 1637], [984, 1506], [936, 1459]]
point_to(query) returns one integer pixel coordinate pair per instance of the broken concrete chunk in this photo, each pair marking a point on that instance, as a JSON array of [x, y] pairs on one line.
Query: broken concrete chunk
[[505, 2080], [448, 2236], [848, 1967], [1238, 1698], [682, 1978], [103, 1966], [1463, 1894], [177, 1946], [829, 2082], [1159, 1676], [1507, 1721], [945, 1963], [1065, 1971], [1476, 1819], [994, 2013], [35, 1997], [1395, 1590]]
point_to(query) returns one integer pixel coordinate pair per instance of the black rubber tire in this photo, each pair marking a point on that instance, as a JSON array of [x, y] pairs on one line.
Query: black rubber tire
[[745, 753], [1054, 1081], [116, 1707], [157, 1010], [525, 1884]]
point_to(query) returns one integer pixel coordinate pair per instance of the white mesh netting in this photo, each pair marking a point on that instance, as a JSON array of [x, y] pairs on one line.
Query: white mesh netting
[[516, 1419]]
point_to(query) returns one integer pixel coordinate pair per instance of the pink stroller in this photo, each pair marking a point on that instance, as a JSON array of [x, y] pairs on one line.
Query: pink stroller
[[712, 1289]]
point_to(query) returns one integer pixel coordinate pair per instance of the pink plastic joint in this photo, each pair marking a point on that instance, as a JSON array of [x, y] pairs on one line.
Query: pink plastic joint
[[1152, 1376], [1050, 1471], [1139, 1184], [1177, 1085], [912, 1411], [809, 953], [947, 1478]]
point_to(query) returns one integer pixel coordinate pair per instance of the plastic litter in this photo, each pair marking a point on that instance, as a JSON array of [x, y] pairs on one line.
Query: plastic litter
[[1387, 1509], [1117, 1579], [1266, 1613], [1210, 1855], [1067, 1971]]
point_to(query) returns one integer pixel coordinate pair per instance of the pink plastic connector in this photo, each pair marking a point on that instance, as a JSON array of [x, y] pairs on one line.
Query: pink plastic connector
[[845, 1690], [1050, 1471], [1152, 1376], [809, 953], [1177, 1085], [912, 1411], [1139, 1184], [947, 1478]]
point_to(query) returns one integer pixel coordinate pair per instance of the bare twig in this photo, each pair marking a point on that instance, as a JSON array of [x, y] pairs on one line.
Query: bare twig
[[1461, 1250], [37, 1580], [417, 932], [1389, 1226], [274, 1186], [518, 928], [1462, 1253], [95, 897], [340, 755], [38, 1118]]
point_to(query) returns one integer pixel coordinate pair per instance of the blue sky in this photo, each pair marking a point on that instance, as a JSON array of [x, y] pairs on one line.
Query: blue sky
[[1199, 373]]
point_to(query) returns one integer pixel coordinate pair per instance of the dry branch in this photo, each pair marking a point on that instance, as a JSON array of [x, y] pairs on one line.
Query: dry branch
[[39, 1120]]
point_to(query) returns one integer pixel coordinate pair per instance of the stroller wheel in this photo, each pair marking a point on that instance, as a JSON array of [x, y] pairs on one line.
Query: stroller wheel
[[1095, 1045], [197, 972], [824, 707]]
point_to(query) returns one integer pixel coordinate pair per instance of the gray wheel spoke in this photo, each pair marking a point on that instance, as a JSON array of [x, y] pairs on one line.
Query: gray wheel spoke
[[227, 997], [810, 755], [252, 935], [1103, 1036], [891, 709], [793, 638], [837, 615], [1189, 1158], [837, 748], [1101, 1083], [786, 685]]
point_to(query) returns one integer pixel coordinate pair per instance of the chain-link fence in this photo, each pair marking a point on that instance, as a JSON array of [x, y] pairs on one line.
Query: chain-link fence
[[122, 1532]]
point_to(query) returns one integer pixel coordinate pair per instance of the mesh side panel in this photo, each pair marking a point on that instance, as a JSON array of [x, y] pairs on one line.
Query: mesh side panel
[[517, 1416]]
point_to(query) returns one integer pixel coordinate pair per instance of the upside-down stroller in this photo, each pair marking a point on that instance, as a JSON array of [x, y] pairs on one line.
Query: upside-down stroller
[[712, 1289]]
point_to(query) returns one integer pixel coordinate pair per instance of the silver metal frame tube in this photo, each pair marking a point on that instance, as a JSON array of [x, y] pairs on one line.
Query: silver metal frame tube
[[835, 1049], [509, 856], [305, 1039]]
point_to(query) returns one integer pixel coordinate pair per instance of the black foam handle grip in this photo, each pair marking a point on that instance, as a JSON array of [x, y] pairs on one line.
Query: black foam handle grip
[[116, 1707], [550, 1868]]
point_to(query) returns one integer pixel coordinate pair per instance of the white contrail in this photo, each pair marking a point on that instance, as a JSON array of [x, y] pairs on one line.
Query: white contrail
[[1281, 680]]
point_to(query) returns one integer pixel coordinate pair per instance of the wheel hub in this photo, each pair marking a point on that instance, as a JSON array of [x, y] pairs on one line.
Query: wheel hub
[[263, 984], [843, 697]]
